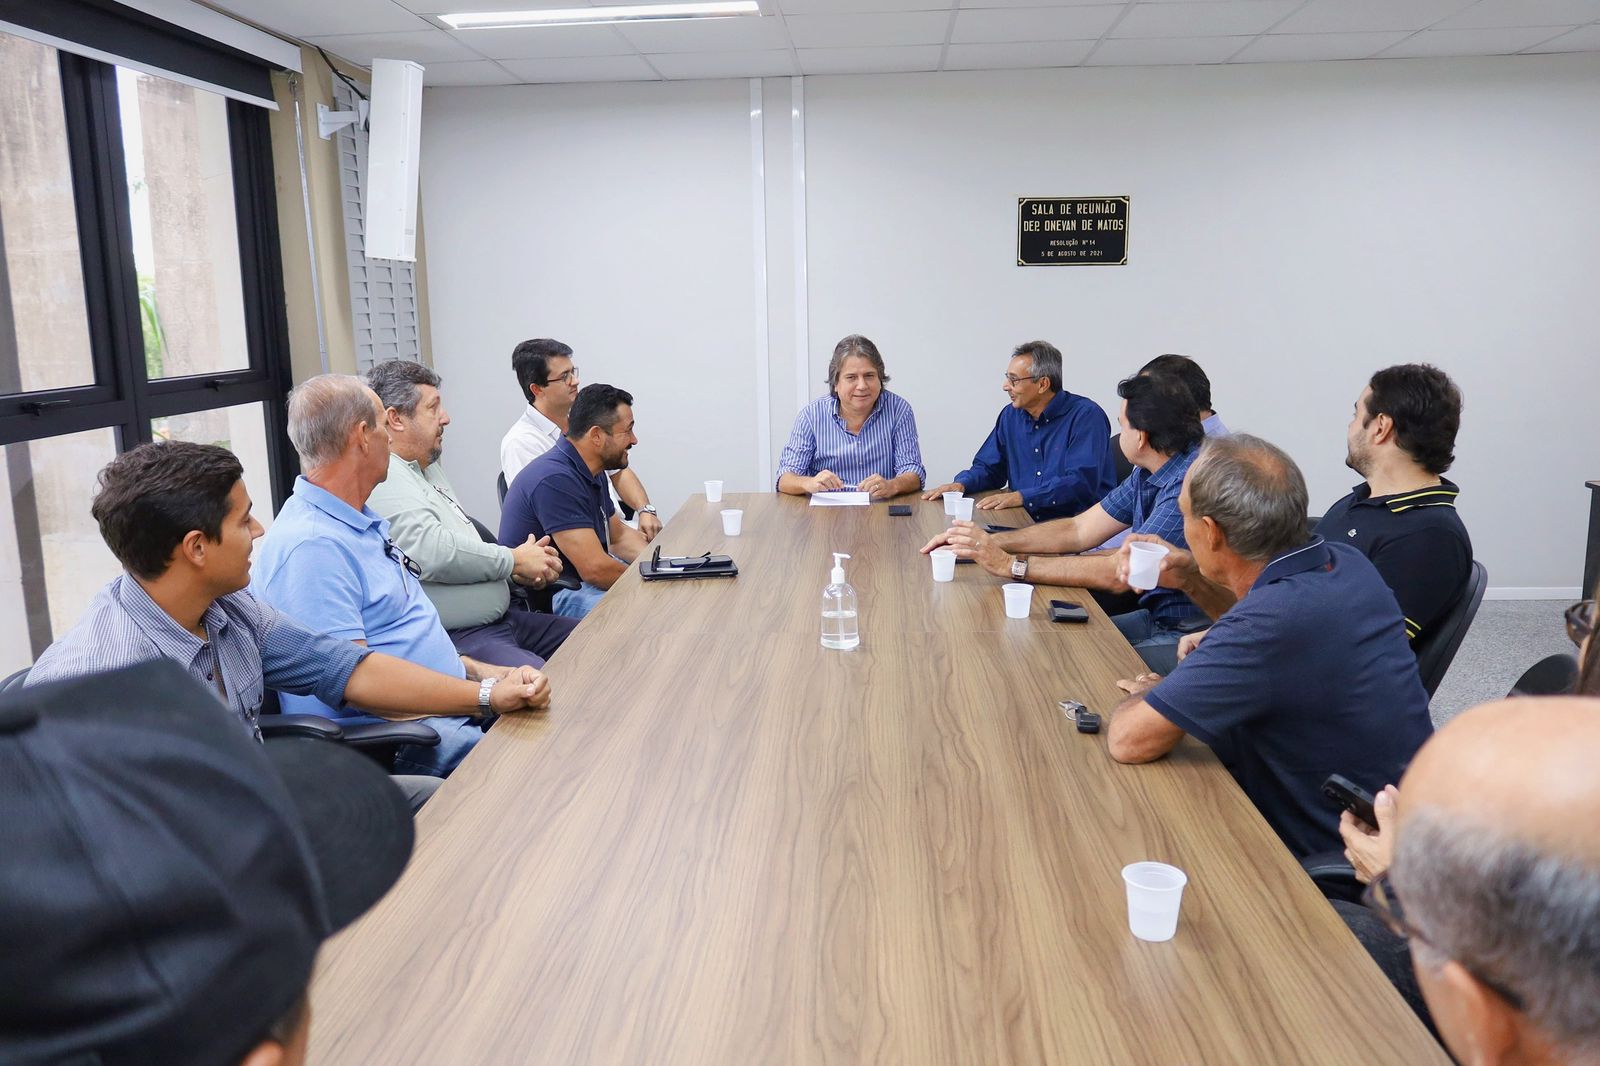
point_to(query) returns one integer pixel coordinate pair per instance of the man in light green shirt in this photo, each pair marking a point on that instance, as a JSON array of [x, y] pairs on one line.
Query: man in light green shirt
[[464, 576]]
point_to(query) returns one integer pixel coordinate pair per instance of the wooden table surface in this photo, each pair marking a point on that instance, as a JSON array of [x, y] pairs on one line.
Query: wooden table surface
[[726, 844]]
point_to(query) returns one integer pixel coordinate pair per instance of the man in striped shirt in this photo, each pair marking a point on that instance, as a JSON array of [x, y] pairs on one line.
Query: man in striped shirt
[[860, 436]]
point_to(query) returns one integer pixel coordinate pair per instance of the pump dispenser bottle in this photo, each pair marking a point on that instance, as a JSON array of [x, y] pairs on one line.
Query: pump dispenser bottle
[[839, 625]]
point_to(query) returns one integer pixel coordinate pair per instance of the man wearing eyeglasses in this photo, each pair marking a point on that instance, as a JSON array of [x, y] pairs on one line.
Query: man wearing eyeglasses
[[1051, 447], [549, 382]]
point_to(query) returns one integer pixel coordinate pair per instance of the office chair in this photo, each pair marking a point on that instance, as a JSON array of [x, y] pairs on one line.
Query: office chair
[[377, 738], [14, 681], [1437, 648], [1554, 675], [522, 596], [1124, 468], [500, 487]]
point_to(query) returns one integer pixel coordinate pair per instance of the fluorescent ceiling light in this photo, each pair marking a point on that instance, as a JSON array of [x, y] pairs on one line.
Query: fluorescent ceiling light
[[571, 16]]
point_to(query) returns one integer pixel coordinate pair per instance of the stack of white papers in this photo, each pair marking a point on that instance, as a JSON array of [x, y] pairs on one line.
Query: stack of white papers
[[841, 499]]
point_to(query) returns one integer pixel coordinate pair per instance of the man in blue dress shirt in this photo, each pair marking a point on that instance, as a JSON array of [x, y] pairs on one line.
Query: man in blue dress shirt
[[860, 436], [1051, 447]]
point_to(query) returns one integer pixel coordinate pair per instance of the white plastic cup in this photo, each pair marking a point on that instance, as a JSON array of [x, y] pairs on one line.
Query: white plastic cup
[[1019, 599], [1155, 892], [713, 492], [731, 521], [1144, 564], [963, 507], [944, 564], [950, 499]]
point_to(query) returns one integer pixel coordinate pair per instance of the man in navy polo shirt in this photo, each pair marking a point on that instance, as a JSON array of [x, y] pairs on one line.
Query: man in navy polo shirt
[[1051, 447], [1306, 675], [563, 494]]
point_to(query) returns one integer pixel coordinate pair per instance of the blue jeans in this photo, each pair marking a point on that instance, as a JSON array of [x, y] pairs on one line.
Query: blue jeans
[[456, 738], [575, 603], [1156, 641]]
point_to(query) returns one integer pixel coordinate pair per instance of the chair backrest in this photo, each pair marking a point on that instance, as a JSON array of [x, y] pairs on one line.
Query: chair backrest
[[500, 485], [1124, 468], [16, 680], [1554, 675], [1437, 648]]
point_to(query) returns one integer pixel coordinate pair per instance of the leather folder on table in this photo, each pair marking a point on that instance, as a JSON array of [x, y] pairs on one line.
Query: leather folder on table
[[664, 567]]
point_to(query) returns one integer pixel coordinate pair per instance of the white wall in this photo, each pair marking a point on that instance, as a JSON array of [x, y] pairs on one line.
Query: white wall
[[1293, 227]]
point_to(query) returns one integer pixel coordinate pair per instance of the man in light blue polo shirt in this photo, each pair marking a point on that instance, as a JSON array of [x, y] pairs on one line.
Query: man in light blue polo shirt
[[328, 562]]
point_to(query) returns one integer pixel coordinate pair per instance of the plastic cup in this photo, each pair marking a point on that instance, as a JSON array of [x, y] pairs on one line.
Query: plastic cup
[[963, 508], [713, 492], [731, 521], [944, 564], [1144, 564], [950, 499], [1019, 599], [1155, 892]]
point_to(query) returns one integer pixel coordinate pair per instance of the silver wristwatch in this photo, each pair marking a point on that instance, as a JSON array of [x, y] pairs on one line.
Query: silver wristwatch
[[484, 688], [1019, 568], [650, 508]]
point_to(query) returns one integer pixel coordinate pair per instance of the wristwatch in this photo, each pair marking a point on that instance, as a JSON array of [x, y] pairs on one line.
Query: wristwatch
[[649, 508], [1019, 568], [484, 688]]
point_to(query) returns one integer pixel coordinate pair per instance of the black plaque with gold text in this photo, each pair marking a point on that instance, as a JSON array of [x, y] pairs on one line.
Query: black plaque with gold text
[[1072, 230]]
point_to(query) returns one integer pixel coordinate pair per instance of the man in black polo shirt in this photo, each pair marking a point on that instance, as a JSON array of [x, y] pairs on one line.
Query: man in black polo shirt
[[564, 494], [1307, 674], [1403, 517]]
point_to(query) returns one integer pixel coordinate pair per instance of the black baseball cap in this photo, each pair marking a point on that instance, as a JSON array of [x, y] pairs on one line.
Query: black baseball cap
[[165, 879]]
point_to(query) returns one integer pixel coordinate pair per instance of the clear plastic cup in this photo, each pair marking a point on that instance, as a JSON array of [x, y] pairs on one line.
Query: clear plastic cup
[[944, 564], [1155, 892], [950, 499], [963, 507], [713, 492], [731, 522], [1019, 599], [1144, 564]]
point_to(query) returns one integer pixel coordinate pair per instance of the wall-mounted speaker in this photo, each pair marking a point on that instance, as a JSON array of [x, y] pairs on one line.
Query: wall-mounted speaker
[[394, 139]]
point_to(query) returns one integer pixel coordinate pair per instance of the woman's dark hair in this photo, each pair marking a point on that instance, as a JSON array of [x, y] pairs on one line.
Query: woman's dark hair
[[1589, 661], [1185, 370], [531, 361], [152, 497], [1162, 406], [1425, 406], [596, 405]]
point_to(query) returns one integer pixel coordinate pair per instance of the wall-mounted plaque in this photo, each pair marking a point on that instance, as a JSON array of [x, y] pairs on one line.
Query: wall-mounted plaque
[[1072, 230]]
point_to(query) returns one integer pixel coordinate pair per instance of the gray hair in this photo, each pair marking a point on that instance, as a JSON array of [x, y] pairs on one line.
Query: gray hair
[[322, 412], [1523, 918], [1254, 491], [398, 383], [858, 346], [1045, 361]]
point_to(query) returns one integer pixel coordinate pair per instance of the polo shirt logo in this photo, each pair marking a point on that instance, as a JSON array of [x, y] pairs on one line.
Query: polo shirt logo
[[1351, 533]]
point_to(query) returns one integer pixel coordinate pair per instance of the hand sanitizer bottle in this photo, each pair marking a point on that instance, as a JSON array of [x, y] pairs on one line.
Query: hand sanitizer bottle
[[839, 629]]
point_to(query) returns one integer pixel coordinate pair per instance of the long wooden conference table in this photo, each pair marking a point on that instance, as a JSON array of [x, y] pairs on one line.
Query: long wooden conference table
[[726, 844]]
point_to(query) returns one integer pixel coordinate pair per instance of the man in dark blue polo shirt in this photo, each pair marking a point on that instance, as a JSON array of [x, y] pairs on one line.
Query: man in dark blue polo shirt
[[1307, 674], [563, 494], [1052, 448]]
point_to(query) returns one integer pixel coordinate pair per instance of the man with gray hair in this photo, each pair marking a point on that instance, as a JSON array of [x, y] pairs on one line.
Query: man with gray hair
[[1307, 674], [1053, 448], [1496, 881], [464, 577], [328, 563]]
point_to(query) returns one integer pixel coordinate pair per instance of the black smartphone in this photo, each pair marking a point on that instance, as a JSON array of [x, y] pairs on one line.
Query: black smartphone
[[900, 510], [994, 527], [1352, 797], [1065, 611]]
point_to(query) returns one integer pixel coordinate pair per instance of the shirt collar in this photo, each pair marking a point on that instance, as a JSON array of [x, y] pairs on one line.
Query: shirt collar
[[570, 454], [1441, 495], [1173, 469], [160, 626], [1312, 556], [1053, 409], [535, 418], [332, 506], [877, 405]]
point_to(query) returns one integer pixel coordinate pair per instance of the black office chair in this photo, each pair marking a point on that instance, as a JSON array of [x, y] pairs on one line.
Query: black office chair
[[1554, 675], [14, 681], [1439, 646], [500, 487], [379, 740], [1124, 468], [522, 596]]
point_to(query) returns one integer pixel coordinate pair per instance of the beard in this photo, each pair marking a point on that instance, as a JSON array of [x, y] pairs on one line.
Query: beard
[[1356, 460], [434, 453], [618, 461]]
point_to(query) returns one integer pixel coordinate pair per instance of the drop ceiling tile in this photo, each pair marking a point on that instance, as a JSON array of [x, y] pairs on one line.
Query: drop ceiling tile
[[433, 8], [1000, 25], [482, 72], [869, 60], [737, 34], [978, 5], [1311, 47], [582, 68], [424, 47], [1492, 13], [1582, 39], [854, 7], [1175, 51], [686, 65], [1470, 42], [1227, 18], [1369, 16], [546, 42], [868, 30], [1016, 55], [308, 18]]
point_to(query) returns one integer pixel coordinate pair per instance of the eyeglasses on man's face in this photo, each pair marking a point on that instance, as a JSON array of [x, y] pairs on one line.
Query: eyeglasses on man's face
[[1381, 899], [569, 374], [1015, 380], [1580, 620]]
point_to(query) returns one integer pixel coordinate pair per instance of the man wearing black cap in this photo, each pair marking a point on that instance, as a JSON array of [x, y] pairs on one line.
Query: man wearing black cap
[[166, 881]]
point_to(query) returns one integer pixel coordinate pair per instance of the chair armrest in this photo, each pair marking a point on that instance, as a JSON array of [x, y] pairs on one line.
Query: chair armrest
[[1334, 875], [300, 725], [378, 734]]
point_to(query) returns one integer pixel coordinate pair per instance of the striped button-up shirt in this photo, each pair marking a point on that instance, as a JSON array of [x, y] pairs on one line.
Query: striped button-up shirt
[[250, 644], [886, 446], [1148, 503]]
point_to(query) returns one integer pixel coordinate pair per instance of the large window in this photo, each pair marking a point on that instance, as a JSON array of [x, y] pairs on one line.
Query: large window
[[140, 299]]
